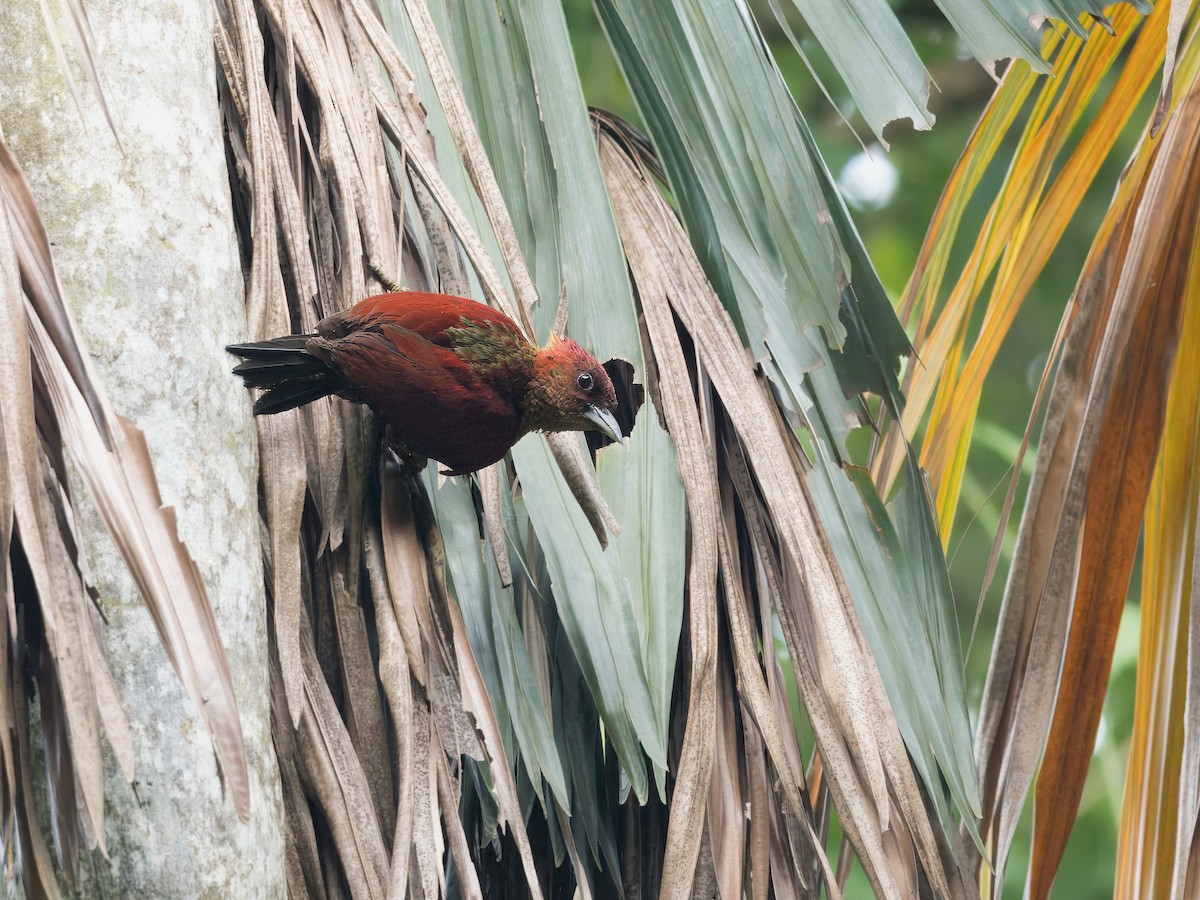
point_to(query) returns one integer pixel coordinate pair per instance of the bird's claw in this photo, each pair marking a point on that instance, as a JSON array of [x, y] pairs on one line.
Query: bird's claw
[[405, 457]]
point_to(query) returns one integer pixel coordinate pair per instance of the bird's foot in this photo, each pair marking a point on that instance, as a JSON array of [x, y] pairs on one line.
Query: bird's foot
[[406, 458]]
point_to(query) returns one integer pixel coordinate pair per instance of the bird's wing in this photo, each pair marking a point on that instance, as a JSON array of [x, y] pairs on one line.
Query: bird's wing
[[435, 403], [431, 316], [382, 353]]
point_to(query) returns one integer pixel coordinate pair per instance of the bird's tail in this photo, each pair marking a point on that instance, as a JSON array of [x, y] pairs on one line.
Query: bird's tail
[[292, 374]]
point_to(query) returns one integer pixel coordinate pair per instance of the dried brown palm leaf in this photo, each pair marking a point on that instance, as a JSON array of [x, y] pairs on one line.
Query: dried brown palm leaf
[[870, 777], [425, 873], [694, 461], [304, 864], [1080, 529], [397, 688], [726, 799], [332, 772], [37, 870], [331, 152]]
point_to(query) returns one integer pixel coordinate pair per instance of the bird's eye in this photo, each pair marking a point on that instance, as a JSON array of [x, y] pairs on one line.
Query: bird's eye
[[585, 382]]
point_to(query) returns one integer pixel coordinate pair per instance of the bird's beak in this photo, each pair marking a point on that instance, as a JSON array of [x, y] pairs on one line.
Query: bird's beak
[[604, 421]]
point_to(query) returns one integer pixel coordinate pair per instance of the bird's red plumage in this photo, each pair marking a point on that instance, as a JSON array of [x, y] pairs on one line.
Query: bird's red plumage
[[396, 351], [454, 380], [427, 315]]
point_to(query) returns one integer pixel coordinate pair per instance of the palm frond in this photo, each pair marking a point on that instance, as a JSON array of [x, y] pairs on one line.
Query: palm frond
[[1079, 533]]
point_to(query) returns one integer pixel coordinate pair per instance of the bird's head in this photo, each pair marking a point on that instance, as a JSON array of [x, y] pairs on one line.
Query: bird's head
[[569, 391]]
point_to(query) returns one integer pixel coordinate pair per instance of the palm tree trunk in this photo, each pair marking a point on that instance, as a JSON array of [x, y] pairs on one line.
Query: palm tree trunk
[[144, 245]]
